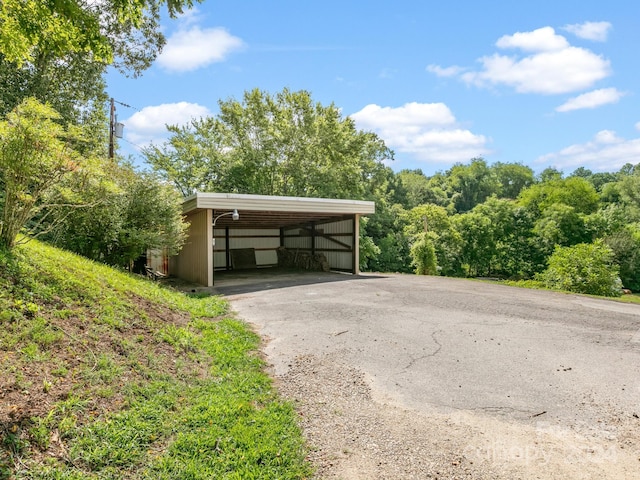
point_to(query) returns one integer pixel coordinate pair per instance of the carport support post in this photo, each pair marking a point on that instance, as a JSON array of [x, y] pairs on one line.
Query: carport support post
[[210, 246], [227, 249], [356, 244]]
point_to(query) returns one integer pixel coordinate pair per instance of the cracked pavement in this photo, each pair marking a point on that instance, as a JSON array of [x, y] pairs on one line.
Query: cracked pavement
[[437, 345]]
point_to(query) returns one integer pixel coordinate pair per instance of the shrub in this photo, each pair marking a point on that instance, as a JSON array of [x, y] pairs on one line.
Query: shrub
[[625, 244], [423, 256], [583, 268]]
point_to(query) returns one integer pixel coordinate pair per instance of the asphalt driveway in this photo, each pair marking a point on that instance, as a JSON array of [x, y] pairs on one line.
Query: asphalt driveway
[[458, 349]]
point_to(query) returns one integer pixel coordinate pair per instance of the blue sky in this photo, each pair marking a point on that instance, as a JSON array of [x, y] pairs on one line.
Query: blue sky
[[540, 83]]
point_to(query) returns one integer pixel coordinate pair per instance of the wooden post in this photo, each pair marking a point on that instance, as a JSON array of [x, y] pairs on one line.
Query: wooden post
[[112, 126]]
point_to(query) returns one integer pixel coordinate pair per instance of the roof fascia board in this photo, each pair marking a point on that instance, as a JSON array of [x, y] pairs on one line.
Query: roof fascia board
[[229, 201]]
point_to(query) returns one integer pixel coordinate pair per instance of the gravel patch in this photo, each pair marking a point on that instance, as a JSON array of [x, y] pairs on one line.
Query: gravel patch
[[354, 433], [351, 437]]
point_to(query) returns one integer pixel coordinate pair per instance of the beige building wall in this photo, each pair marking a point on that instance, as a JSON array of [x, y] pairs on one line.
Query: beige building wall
[[195, 262]]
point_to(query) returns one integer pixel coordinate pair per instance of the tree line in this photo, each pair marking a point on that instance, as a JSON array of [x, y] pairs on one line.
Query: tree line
[[474, 219], [580, 231]]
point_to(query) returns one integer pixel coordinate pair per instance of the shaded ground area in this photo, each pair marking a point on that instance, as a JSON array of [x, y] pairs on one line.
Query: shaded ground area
[[236, 282], [428, 377]]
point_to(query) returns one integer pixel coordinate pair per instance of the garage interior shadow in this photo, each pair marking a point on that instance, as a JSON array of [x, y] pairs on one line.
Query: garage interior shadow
[[235, 282]]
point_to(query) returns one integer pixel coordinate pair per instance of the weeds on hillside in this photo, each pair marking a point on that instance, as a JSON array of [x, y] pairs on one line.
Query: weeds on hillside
[[107, 375]]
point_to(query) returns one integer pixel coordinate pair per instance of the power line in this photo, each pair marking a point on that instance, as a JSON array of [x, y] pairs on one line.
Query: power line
[[140, 147], [125, 105]]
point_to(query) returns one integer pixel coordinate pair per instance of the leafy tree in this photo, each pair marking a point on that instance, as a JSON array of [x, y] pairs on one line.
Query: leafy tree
[[426, 218], [500, 232], [274, 145], [582, 172], [625, 244], [368, 249], [549, 174], [560, 224], [472, 184], [439, 193], [575, 192], [385, 228], [423, 255], [609, 218], [598, 180], [130, 214], [435, 220], [513, 178], [629, 190], [629, 169], [194, 159], [583, 268], [74, 87], [522, 253], [416, 188], [394, 254], [490, 234], [46, 52], [101, 28], [35, 157], [478, 249]]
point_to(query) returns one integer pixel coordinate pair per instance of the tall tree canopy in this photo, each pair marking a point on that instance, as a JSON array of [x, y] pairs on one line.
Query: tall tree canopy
[[573, 191], [283, 144], [472, 184], [59, 27]]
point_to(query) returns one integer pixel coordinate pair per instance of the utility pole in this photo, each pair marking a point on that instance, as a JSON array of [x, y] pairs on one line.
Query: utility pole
[[115, 128], [112, 127]]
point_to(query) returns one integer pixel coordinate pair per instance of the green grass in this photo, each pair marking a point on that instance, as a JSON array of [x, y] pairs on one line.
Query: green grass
[[108, 375], [633, 298]]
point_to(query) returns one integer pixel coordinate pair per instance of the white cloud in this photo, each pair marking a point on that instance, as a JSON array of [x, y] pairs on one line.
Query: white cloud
[[606, 152], [607, 137], [594, 99], [149, 124], [541, 40], [192, 48], [562, 71], [445, 72], [428, 131], [638, 126], [596, 31], [189, 17], [550, 65]]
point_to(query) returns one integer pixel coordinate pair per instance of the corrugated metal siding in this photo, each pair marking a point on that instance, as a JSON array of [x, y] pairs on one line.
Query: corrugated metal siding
[[292, 242], [339, 253], [265, 241], [192, 263], [341, 231], [343, 226], [346, 242], [339, 260]]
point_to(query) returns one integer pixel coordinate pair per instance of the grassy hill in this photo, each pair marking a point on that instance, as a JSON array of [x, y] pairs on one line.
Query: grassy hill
[[104, 374]]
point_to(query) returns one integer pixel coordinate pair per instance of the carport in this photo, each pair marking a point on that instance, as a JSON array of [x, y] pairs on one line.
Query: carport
[[264, 227]]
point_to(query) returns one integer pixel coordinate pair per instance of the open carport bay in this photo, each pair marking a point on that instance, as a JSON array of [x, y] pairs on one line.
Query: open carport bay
[[407, 376]]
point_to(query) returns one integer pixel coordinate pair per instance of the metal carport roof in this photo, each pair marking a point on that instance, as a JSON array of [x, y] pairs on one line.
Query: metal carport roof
[[265, 211]]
